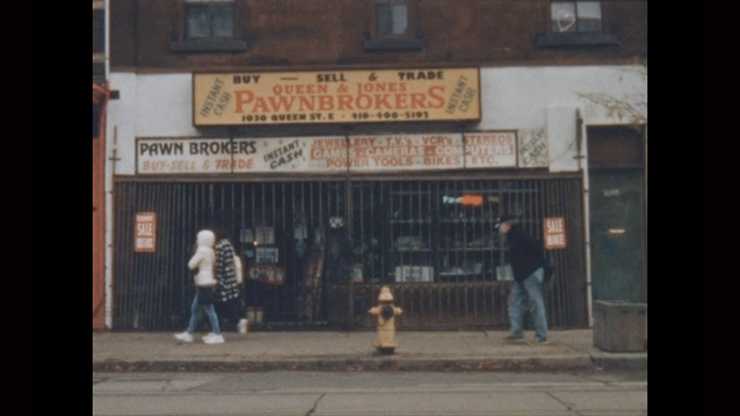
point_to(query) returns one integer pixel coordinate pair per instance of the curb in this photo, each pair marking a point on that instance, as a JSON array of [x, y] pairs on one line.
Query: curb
[[620, 361], [355, 365]]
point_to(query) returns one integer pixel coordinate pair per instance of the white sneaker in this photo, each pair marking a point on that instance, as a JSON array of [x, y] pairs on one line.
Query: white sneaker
[[184, 336], [242, 326], [213, 339]]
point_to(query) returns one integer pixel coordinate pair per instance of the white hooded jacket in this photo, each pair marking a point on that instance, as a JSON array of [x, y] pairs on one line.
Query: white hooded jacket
[[204, 259]]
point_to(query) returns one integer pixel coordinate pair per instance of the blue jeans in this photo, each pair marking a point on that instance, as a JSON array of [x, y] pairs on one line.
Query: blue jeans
[[530, 287], [194, 315]]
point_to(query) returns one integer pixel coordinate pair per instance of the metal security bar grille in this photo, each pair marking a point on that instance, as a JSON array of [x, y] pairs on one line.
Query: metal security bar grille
[[435, 244], [153, 291], [432, 241]]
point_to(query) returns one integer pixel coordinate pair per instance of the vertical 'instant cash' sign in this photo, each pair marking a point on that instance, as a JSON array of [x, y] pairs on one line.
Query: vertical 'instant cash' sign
[[263, 98]]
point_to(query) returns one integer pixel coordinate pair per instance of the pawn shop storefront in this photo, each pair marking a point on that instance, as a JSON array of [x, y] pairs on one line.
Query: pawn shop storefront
[[321, 222]]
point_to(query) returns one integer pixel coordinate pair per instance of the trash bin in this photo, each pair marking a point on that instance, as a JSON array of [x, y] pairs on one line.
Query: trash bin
[[620, 326]]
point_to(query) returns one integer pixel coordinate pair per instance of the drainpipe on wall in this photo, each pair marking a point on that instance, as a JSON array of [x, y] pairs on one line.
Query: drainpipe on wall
[[646, 198], [645, 184], [110, 171], [107, 38], [582, 146], [108, 184]]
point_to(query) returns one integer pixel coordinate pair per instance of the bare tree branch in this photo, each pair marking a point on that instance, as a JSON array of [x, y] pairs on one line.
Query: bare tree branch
[[631, 108]]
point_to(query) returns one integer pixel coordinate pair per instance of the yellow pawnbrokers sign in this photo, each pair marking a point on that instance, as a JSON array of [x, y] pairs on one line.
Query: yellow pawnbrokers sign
[[398, 95]]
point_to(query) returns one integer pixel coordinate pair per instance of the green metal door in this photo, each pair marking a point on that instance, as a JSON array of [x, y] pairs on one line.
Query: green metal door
[[618, 237]]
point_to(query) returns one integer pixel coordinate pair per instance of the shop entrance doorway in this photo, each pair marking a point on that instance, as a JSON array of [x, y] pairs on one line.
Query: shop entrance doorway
[[618, 216]]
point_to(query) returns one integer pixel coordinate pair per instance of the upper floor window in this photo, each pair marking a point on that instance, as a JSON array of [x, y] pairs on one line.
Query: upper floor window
[[98, 34], [207, 19], [98, 52], [395, 29], [576, 16], [392, 18]]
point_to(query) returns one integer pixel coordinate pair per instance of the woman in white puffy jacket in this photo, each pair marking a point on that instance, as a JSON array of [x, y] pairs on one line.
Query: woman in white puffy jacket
[[205, 282]]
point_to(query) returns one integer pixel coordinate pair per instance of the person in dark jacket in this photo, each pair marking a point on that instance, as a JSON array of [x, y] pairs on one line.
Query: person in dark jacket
[[528, 265], [228, 288]]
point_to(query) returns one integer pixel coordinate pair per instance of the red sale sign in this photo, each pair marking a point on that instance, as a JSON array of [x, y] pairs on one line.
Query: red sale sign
[[146, 232], [554, 233]]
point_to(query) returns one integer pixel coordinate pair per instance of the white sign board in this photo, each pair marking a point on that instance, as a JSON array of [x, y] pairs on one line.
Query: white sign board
[[331, 154], [533, 149], [406, 152], [490, 150]]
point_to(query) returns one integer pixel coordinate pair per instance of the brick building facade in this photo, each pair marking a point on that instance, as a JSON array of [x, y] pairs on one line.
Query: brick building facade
[[336, 32], [536, 62]]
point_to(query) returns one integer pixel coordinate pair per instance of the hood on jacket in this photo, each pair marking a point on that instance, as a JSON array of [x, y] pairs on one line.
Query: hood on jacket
[[206, 238]]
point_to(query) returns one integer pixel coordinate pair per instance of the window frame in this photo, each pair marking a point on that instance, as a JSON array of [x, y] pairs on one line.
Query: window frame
[[553, 38], [576, 17], [99, 46], [376, 23], [98, 19], [210, 5], [412, 40], [182, 42]]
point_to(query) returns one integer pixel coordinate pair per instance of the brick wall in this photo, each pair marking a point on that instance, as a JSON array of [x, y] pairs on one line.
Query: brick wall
[[331, 33]]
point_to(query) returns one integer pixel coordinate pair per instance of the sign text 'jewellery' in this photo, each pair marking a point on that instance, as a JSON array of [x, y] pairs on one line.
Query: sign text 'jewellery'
[[336, 97]]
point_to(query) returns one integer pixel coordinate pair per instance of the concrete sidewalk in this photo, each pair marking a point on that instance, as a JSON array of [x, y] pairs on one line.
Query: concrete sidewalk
[[353, 351]]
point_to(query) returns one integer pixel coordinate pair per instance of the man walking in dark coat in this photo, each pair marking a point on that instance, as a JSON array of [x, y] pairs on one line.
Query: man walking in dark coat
[[527, 263]]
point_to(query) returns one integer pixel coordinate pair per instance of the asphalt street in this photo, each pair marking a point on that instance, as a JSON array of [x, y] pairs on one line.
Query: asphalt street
[[584, 393]]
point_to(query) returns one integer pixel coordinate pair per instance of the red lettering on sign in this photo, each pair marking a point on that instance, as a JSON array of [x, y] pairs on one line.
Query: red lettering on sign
[[554, 233]]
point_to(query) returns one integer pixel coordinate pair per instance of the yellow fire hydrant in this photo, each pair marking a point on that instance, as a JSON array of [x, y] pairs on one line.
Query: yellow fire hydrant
[[386, 313]]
